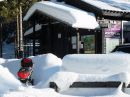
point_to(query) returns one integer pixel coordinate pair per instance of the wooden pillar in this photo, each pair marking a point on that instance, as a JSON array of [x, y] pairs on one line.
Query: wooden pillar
[[49, 37], [78, 41], [34, 35], [122, 33]]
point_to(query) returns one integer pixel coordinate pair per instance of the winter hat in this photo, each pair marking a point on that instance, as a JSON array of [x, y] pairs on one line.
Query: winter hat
[[26, 62]]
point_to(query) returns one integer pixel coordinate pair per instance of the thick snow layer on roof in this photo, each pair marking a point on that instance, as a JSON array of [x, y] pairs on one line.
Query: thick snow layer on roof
[[29, 31], [122, 4], [65, 13], [102, 5], [115, 5], [97, 63]]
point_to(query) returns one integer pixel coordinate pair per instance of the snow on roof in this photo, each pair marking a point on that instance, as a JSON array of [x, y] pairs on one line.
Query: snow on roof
[[29, 31], [68, 14], [115, 5], [122, 4]]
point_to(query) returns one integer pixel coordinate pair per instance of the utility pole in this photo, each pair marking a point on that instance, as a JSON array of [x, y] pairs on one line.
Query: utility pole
[[1, 41], [17, 38], [20, 32], [34, 33]]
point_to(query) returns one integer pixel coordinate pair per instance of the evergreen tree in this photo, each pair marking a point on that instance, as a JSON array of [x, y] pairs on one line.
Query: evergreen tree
[[12, 11]]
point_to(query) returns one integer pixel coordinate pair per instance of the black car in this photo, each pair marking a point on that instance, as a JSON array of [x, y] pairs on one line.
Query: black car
[[122, 48]]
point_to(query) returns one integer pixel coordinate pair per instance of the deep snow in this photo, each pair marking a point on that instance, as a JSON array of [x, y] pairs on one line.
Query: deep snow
[[47, 67]]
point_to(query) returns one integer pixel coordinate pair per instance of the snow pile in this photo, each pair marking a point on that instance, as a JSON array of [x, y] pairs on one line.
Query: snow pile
[[2, 61], [93, 68], [65, 79], [44, 67], [33, 92], [47, 68], [13, 65], [97, 63], [8, 80]]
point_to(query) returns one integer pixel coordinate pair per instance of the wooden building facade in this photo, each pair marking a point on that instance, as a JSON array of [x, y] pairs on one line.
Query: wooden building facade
[[110, 14], [60, 37]]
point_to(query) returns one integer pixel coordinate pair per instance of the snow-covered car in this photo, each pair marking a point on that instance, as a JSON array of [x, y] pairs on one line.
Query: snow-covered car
[[93, 72], [122, 48]]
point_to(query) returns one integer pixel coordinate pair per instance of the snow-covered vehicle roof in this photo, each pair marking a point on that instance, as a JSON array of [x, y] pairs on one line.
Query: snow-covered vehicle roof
[[96, 63], [93, 68]]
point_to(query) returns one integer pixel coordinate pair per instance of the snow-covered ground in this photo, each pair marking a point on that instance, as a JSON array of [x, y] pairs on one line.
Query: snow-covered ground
[[48, 67]]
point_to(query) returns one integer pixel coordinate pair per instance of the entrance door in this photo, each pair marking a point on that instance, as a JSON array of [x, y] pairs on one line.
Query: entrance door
[[88, 44]]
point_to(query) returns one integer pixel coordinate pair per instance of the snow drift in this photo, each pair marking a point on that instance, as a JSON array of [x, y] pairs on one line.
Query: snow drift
[[96, 63], [44, 67], [8, 81], [47, 67], [93, 68]]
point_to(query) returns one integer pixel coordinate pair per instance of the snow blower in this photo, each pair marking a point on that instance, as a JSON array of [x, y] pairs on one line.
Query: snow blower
[[25, 72]]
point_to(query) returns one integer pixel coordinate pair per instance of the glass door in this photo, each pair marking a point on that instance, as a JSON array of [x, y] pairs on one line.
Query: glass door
[[89, 44]]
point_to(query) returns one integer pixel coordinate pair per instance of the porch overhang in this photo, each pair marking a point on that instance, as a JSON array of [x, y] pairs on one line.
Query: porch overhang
[[72, 16]]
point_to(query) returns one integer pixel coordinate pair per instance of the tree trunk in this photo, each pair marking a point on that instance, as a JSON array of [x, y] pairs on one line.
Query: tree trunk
[[1, 41], [17, 38]]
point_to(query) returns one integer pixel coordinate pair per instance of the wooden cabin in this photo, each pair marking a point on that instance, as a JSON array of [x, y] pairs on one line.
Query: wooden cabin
[[65, 29]]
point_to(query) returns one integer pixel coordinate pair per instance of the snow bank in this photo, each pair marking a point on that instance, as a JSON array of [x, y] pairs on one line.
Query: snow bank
[[44, 67], [97, 63], [8, 80], [13, 65], [47, 92], [65, 79], [33, 92], [2, 61], [93, 68]]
